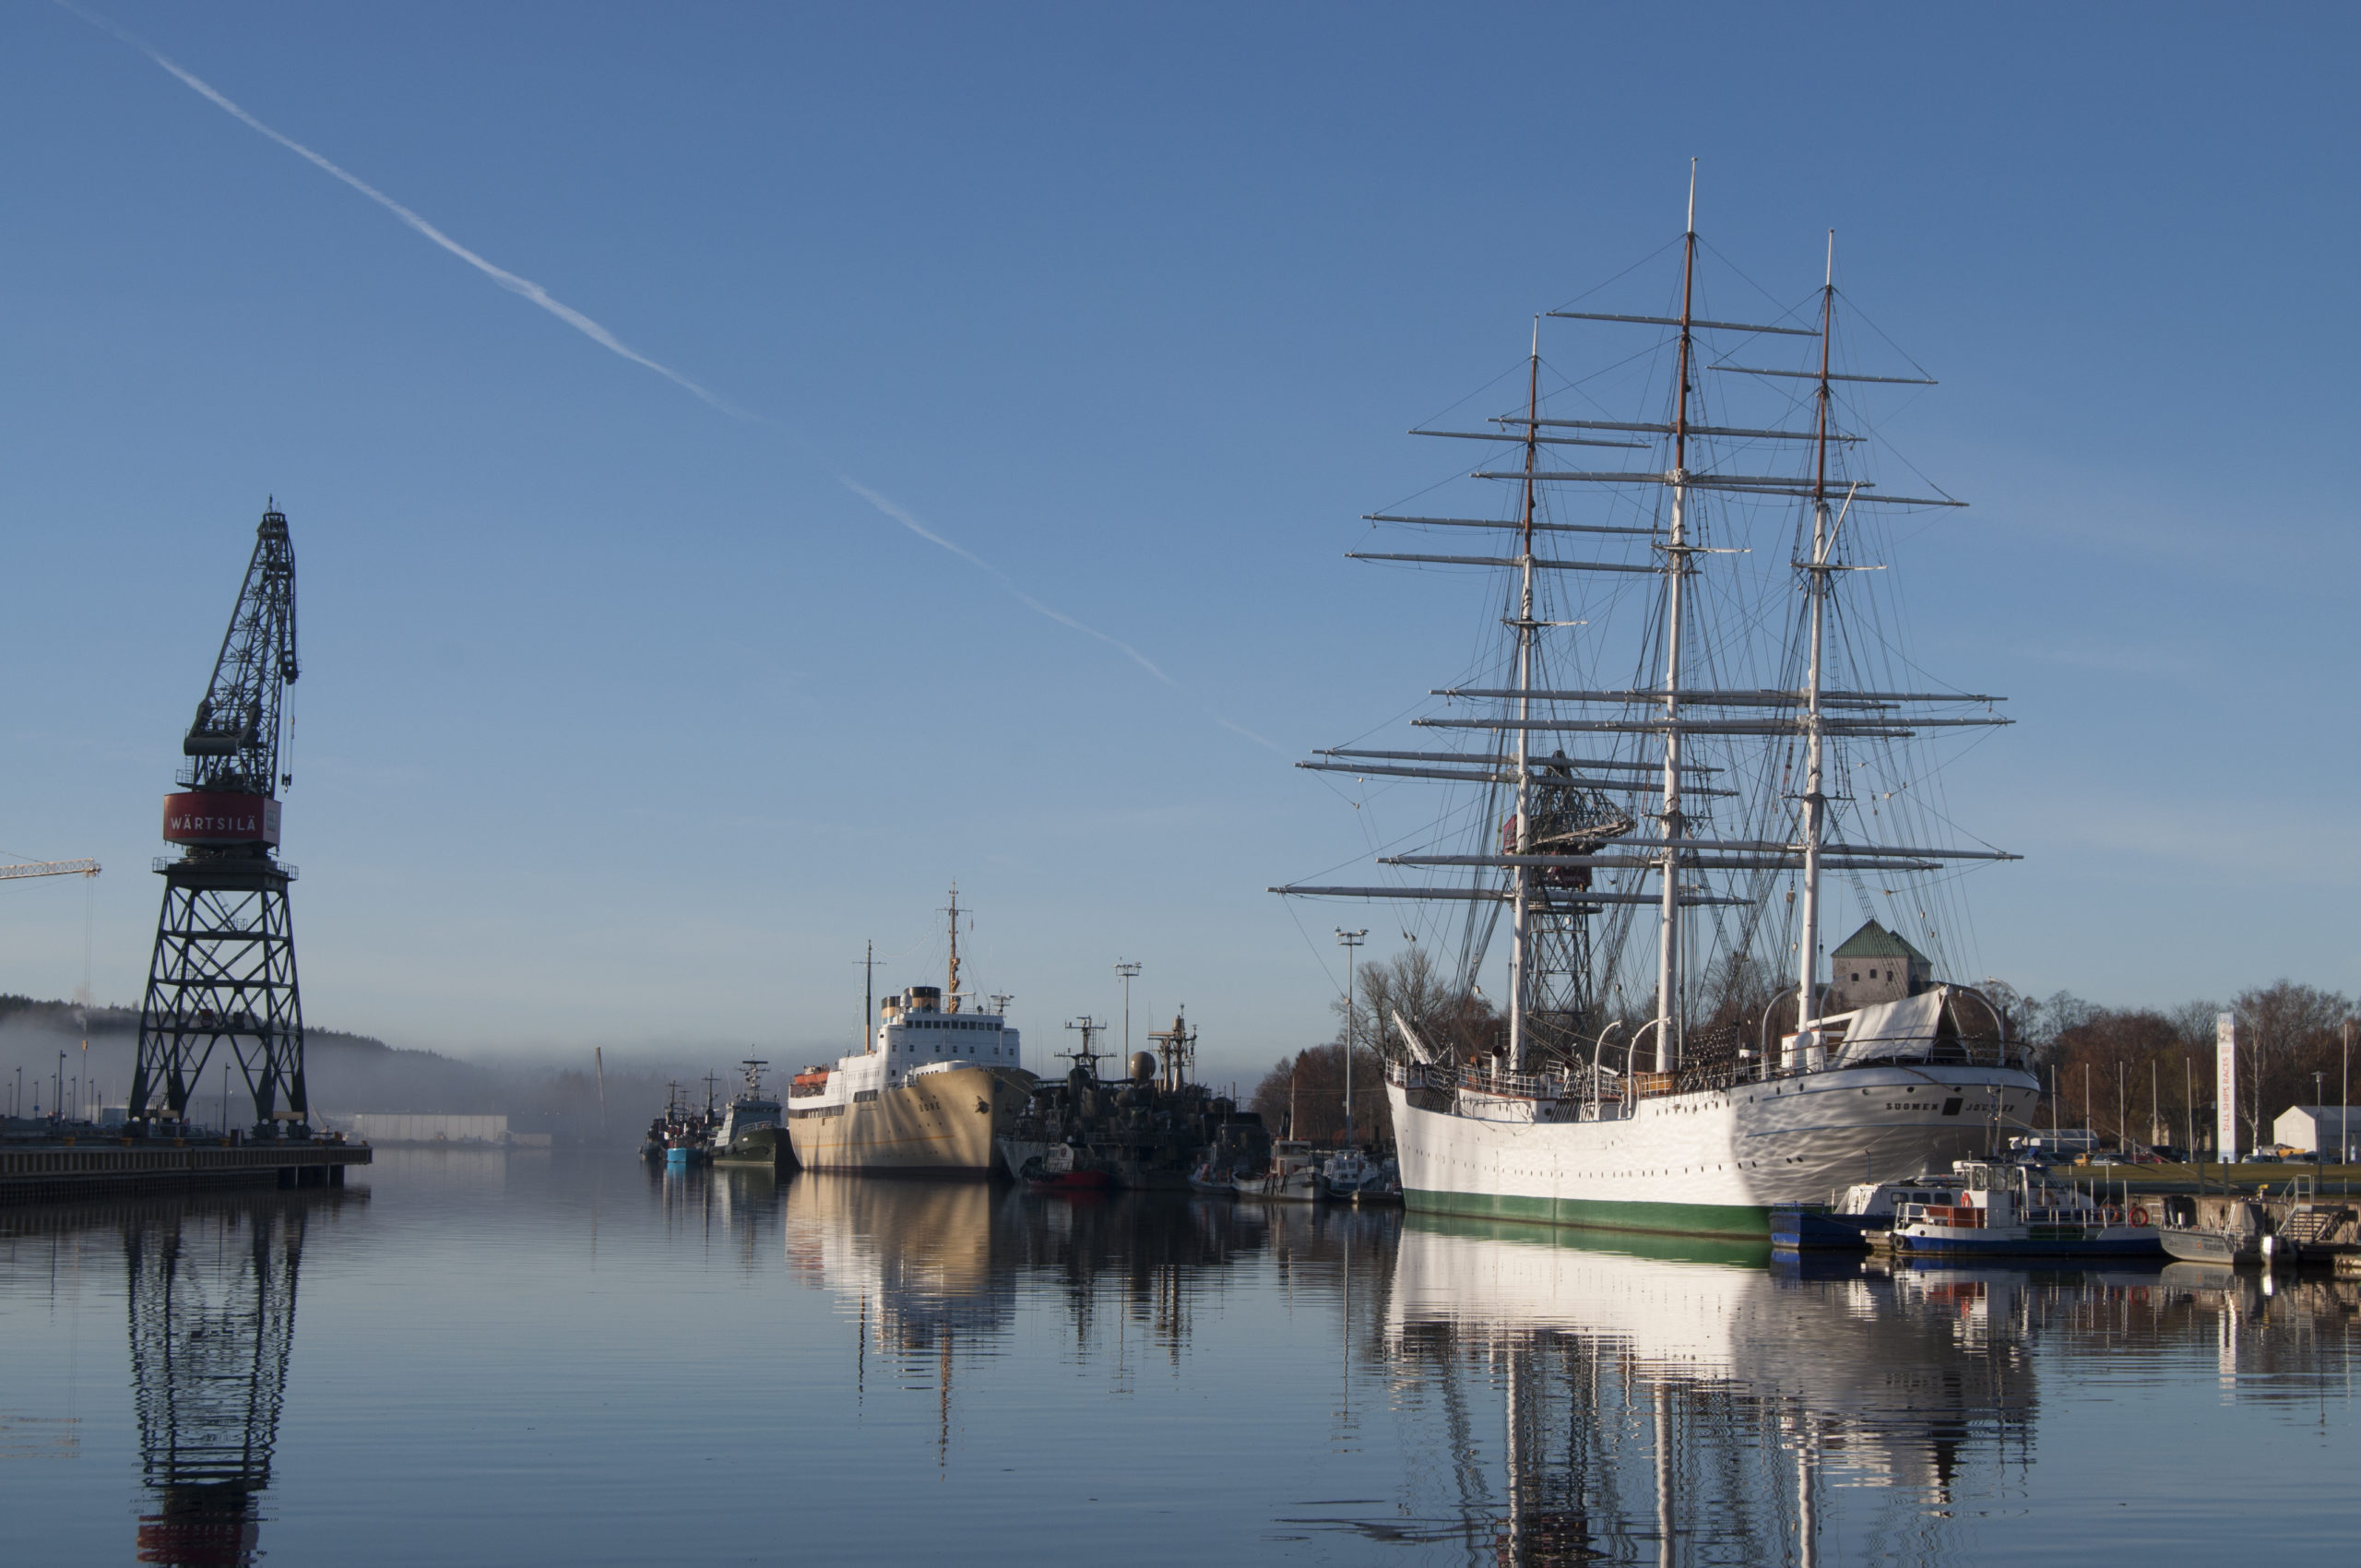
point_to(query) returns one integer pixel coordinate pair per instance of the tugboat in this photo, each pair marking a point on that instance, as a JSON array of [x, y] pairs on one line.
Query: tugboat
[[1866, 1208], [2002, 1211], [751, 1130]]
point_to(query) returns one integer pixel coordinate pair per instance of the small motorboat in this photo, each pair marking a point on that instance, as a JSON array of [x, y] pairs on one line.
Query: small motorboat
[[1345, 1174], [1383, 1187], [1214, 1180], [2220, 1248], [1293, 1175]]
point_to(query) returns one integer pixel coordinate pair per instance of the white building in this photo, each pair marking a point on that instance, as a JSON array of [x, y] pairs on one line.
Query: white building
[[2322, 1128], [382, 1128]]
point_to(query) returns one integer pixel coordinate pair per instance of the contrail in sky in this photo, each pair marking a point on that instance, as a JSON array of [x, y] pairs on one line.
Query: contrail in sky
[[500, 275], [533, 292], [903, 515]]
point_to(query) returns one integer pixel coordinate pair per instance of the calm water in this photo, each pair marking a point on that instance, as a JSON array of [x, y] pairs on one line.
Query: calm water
[[512, 1359]]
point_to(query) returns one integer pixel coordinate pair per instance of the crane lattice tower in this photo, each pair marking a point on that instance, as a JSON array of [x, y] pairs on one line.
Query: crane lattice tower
[[224, 966]]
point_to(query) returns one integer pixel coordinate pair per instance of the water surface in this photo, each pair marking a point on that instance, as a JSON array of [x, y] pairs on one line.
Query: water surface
[[486, 1357]]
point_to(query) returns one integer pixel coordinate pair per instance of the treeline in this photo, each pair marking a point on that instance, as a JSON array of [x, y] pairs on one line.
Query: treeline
[[2147, 1074], [2133, 1074], [1307, 1091]]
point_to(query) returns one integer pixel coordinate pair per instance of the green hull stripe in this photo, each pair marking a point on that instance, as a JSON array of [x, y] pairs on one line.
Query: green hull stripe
[[1738, 1222]]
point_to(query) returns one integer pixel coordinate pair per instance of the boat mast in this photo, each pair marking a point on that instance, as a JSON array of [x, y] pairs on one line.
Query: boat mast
[[1816, 587], [951, 990], [1676, 569], [1520, 966]]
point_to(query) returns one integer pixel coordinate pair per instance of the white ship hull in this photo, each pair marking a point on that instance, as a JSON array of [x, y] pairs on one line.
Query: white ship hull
[[938, 1124], [1708, 1163]]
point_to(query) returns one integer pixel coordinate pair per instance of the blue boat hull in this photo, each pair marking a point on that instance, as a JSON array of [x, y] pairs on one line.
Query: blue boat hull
[[1809, 1227], [2027, 1247]]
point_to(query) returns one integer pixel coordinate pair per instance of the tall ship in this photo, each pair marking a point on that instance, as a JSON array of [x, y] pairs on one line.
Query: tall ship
[[1695, 710], [940, 1080]]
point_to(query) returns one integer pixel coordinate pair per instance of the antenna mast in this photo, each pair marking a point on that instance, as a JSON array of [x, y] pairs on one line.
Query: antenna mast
[[869, 995], [951, 990], [1676, 549]]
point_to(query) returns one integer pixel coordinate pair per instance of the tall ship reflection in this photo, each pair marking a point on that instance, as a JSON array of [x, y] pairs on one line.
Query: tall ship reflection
[[1688, 1405], [210, 1290]]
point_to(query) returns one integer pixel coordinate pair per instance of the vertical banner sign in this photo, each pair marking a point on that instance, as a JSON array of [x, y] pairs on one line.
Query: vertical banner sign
[[2226, 1087]]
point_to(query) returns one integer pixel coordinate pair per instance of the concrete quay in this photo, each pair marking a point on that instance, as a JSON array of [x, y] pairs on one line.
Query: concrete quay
[[69, 1169]]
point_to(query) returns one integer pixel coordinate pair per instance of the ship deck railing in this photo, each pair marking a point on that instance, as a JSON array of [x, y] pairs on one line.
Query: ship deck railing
[[1606, 1087]]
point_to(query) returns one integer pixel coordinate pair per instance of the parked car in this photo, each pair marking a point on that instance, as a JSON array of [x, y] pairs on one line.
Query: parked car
[[2263, 1156], [2103, 1156], [2171, 1154]]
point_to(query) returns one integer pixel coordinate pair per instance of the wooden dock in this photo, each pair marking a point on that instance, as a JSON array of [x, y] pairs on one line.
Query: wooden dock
[[72, 1170]]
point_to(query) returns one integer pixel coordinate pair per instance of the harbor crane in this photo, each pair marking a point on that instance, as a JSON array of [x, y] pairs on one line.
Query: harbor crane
[[224, 965]]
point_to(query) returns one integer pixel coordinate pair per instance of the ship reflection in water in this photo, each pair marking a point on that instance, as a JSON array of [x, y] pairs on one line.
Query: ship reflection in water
[[569, 1358], [1693, 1396], [1550, 1396]]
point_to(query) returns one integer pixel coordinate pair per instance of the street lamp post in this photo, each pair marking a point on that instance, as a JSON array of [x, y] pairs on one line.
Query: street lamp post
[[1129, 972], [1350, 941], [2319, 1088]]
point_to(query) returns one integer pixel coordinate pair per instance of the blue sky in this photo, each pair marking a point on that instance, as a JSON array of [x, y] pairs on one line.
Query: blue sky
[[626, 721]]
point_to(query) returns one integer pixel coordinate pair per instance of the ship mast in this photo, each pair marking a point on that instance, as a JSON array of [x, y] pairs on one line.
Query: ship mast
[[1817, 581], [950, 990], [1520, 965], [1676, 570]]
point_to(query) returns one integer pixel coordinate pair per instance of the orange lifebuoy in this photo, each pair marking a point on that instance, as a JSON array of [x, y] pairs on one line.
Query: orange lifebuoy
[[2111, 1215], [2139, 1217]]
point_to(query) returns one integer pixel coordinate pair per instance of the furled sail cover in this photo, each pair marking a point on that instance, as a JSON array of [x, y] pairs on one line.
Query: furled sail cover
[[1904, 1028]]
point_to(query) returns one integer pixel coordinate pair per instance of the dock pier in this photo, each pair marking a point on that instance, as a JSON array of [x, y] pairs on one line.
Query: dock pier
[[71, 1170]]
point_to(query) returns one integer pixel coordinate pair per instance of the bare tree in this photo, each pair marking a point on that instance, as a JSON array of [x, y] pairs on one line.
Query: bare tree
[[1410, 983], [2288, 1032]]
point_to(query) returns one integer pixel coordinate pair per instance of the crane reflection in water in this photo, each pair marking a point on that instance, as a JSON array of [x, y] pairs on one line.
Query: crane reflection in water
[[211, 1289]]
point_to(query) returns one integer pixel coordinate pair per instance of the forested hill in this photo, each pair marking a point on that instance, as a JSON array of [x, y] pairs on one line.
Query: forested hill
[[42, 1046], [68, 1018]]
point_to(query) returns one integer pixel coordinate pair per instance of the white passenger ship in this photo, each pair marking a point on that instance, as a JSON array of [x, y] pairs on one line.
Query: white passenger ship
[[940, 1081], [1759, 740]]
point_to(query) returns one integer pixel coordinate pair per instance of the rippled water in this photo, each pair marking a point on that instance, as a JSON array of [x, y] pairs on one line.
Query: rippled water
[[478, 1357]]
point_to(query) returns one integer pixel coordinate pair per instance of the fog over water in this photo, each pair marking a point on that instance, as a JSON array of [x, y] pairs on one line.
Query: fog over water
[[473, 1357]]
